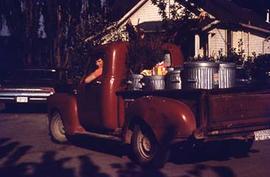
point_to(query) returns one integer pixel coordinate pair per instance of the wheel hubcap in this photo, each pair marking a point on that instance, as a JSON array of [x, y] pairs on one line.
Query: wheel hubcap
[[144, 145], [60, 126]]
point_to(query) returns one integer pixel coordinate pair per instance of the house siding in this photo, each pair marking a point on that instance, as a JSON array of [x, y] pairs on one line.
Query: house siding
[[247, 42], [217, 41], [266, 46], [240, 42], [148, 12], [251, 43], [256, 44]]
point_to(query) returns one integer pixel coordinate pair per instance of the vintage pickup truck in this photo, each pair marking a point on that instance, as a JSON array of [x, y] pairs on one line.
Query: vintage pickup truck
[[154, 120]]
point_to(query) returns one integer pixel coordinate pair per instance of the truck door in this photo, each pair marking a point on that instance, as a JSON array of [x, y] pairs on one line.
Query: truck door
[[89, 98]]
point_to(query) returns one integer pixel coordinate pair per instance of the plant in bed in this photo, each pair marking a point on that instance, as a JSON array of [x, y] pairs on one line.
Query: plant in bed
[[143, 54]]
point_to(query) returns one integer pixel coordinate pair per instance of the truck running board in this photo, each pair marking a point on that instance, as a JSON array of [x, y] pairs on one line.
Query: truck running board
[[102, 136]]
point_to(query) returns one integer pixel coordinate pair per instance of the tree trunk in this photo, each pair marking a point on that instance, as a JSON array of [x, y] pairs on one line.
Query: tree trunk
[[28, 32]]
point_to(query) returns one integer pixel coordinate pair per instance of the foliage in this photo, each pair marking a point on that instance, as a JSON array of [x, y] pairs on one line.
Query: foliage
[[114, 33], [144, 54], [261, 67], [232, 56], [67, 24], [200, 58], [10, 9], [79, 48], [236, 56], [180, 23]]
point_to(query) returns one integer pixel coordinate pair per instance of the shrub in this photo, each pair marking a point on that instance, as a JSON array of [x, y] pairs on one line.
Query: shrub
[[144, 54]]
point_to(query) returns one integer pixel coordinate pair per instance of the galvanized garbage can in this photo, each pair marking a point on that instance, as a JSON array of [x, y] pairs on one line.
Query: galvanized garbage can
[[200, 75], [155, 82], [173, 79], [226, 75], [134, 82]]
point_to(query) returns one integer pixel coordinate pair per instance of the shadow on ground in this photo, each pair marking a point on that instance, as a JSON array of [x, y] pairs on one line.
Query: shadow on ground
[[133, 170], [47, 166], [200, 170], [11, 153], [23, 108], [50, 166], [217, 151], [100, 145]]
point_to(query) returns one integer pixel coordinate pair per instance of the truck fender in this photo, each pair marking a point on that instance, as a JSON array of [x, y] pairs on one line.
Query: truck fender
[[168, 118], [66, 105]]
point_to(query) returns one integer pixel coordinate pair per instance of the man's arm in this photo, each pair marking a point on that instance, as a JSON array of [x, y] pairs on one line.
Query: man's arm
[[93, 75]]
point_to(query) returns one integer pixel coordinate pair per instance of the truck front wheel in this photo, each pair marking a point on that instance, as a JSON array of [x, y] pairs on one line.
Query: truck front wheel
[[56, 128], [147, 151]]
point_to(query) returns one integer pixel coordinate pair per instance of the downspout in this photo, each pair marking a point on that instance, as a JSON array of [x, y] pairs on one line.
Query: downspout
[[263, 46], [197, 45], [248, 40], [169, 9], [267, 16], [209, 45], [267, 21], [248, 44]]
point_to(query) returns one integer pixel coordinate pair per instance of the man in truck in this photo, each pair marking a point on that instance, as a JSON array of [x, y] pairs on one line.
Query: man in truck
[[96, 73]]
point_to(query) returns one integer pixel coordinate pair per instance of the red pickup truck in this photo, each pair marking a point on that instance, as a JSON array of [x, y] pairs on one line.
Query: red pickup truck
[[153, 120]]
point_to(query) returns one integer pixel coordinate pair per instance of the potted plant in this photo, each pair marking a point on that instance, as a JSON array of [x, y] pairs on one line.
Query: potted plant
[[142, 55], [261, 68]]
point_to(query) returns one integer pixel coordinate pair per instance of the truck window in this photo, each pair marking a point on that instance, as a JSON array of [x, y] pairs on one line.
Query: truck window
[[92, 65], [95, 68]]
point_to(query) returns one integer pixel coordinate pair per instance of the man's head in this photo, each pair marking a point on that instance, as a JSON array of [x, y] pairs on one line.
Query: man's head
[[99, 62]]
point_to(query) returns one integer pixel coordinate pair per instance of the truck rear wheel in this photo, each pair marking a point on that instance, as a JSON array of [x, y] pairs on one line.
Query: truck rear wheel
[[146, 150], [241, 148], [246, 146], [56, 128]]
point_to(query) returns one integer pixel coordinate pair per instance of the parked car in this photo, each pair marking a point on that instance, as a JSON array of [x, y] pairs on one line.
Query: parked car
[[26, 86]]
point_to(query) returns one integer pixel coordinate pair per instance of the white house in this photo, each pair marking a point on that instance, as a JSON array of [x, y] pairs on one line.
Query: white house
[[233, 27], [228, 26], [135, 11], [222, 40]]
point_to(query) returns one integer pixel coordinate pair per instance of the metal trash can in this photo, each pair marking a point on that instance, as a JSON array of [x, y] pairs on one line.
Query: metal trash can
[[200, 75], [226, 75], [173, 79], [134, 82], [155, 82]]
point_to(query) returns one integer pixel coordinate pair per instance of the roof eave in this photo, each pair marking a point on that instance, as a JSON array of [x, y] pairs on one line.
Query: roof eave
[[124, 19], [255, 28]]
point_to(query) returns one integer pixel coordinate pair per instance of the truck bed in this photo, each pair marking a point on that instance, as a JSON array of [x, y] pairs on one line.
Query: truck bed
[[219, 112]]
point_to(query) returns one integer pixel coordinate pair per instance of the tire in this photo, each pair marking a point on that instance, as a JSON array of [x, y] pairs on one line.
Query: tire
[[56, 129], [242, 148], [146, 150], [247, 145], [2, 106]]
